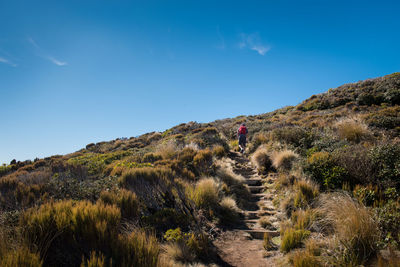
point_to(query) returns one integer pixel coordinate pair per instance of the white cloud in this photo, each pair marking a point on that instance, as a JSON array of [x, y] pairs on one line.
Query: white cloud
[[253, 42], [45, 55], [57, 62], [6, 61]]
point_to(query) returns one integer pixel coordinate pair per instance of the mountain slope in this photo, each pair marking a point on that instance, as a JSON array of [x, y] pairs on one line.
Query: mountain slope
[[160, 199]]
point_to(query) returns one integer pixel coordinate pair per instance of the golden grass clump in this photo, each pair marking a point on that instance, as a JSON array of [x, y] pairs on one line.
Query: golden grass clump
[[78, 225], [137, 249], [178, 252], [261, 159], [206, 193], [264, 222], [284, 159], [203, 160], [126, 200], [228, 203], [21, 257], [307, 191], [293, 239], [267, 242], [219, 151], [168, 149], [353, 223], [302, 258], [303, 219], [95, 260], [352, 129]]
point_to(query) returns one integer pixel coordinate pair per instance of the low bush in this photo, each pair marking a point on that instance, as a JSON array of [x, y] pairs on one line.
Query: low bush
[[293, 239], [283, 160], [386, 162], [295, 136], [323, 169]]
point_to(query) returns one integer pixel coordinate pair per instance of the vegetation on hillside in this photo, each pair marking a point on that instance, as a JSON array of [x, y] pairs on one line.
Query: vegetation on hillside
[[157, 199]]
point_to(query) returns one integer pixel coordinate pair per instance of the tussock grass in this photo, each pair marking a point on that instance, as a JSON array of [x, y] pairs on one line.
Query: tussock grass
[[303, 219], [264, 222], [124, 199], [301, 258], [206, 193], [134, 176], [178, 252], [352, 129], [228, 203], [353, 224], [307, 191], [261, 159], [219, 151], [95, 260], [293, 239], [283, 160], [21, 257]]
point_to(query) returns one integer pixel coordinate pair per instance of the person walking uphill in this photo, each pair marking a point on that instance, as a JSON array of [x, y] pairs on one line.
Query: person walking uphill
[[242, 132]]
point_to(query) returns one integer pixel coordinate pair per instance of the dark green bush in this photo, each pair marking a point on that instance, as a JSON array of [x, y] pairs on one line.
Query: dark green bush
[[322, 168], [295, 136], [386, 163]]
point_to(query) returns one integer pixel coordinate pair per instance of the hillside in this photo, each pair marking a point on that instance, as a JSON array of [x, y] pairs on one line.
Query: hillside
[[329, 167]]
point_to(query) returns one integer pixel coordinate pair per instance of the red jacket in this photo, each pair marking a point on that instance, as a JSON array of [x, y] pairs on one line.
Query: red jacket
[[242, 130]]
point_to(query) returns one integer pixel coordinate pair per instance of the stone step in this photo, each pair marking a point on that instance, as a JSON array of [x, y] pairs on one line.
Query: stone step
[[251, 215], [253, 181], [257, 197], [259, 234], [254, 189]]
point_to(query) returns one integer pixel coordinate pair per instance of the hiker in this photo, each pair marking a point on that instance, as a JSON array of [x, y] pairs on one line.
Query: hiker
[[242, 131]]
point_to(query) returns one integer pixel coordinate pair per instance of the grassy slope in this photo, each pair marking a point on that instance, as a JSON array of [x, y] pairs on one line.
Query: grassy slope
[[333, 133]]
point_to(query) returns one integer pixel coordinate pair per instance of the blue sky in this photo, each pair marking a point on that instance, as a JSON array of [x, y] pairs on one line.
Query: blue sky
[[75, 72]]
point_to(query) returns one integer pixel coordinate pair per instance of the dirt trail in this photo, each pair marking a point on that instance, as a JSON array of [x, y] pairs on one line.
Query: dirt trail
[[243, 245]]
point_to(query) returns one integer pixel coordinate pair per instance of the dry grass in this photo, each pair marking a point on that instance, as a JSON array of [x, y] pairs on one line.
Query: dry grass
[[303, 219], [264, 222], [20, 258], [283, 160], [168, 149], [307, 191], [293, 239], [219, 151], [95, 260], [355, 229], [178, 252], [302, 258], [228, 203], [206, 193], [352, 129], [261, 159]]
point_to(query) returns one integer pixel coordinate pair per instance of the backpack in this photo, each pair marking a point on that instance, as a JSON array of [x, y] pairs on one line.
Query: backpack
[[242, 130]]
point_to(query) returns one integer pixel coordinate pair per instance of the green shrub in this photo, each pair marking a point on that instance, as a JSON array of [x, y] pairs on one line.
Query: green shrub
[[386, 162], [322, 167], [293, 239], [367, 195], [295, 136]]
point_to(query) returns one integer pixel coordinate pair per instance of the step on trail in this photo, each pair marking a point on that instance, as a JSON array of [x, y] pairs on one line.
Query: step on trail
[[243, 246]]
